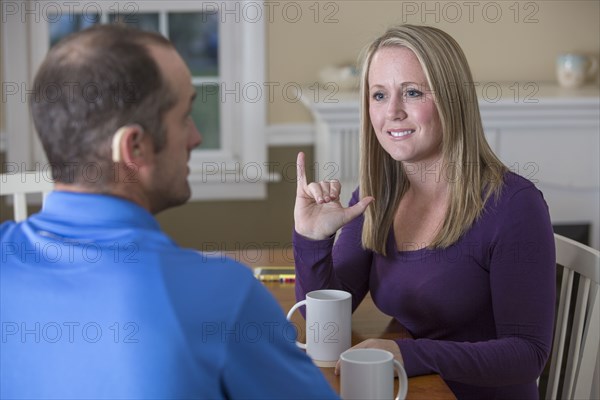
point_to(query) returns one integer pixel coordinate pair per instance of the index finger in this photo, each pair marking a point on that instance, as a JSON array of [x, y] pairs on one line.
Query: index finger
[[300, 174]]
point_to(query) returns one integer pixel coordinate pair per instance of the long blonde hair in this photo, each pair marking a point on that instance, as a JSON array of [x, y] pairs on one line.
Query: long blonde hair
[[464, 147]]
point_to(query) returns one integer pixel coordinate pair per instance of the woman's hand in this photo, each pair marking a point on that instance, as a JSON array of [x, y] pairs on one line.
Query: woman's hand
[[318, 213], [383, 344]]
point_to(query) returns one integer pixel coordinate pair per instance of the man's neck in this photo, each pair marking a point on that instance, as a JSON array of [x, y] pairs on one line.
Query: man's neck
[[129, 193]]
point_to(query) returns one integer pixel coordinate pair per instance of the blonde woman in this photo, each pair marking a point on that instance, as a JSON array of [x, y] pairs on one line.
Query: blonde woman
[[448, 241]]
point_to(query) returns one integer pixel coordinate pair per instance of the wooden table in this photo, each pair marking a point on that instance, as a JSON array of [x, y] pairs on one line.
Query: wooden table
[[367, 322]]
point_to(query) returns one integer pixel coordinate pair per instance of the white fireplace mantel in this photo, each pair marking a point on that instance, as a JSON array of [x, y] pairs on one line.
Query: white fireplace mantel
[[545, 133]]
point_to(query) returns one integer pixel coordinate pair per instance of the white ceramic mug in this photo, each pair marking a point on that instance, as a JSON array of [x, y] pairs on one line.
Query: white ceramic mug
[[328, 325], [572, 69], [369, 374]]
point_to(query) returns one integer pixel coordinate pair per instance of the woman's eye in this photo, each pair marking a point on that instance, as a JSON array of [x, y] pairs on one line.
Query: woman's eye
[[413, 93], [378, 96]]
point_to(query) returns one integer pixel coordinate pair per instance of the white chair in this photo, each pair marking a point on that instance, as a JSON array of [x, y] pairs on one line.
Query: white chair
[[20, 185], [575, 361]]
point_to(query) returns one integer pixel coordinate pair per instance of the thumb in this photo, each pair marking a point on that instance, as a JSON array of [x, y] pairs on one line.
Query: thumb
[[352, 212]]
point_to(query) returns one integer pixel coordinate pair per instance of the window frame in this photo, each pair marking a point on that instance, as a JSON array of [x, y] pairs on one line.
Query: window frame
[[238, 170]]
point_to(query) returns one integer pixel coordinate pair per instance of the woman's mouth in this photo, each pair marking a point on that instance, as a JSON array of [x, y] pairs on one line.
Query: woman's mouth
[[400, 133]]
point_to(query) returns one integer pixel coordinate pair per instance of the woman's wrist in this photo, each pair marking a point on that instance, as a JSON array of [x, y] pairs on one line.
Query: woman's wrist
[[312, 236]]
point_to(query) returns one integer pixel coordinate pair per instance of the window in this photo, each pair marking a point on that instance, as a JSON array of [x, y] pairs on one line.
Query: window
[[223, 46]]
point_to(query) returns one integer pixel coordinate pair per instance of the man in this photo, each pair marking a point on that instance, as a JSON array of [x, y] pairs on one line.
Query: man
[[96, 301]]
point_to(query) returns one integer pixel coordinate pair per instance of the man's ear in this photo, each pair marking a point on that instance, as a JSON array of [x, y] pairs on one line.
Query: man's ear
[[128, 145]]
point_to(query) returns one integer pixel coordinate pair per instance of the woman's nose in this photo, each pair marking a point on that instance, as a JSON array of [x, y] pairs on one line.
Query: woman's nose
[[395, 108]]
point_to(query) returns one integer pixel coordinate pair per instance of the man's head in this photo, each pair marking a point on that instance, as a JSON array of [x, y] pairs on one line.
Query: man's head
[[105, 78]]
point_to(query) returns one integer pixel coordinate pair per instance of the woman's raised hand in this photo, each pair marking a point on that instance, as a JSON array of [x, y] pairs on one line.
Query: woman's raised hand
[[318, 213]]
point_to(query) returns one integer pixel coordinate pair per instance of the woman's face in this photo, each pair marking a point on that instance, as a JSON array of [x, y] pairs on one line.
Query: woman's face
[[402, 107]]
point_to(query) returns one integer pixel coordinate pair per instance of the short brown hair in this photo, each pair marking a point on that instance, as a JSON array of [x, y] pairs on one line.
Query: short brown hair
[[90, 84]]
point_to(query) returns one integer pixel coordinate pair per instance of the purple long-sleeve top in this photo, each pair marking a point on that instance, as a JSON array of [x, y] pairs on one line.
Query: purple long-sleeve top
[[480, 312]]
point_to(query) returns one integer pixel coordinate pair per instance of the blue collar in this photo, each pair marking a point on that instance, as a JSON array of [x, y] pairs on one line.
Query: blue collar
[[97, 209]]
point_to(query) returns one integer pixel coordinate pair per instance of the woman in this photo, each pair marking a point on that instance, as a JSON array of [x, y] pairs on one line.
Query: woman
[[453, 245]]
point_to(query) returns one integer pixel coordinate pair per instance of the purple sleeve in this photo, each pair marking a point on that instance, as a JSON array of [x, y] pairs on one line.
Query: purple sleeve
[[522, 282], [345, 265]]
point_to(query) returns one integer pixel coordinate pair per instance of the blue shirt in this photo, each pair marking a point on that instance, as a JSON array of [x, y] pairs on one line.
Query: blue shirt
[[97, 302]]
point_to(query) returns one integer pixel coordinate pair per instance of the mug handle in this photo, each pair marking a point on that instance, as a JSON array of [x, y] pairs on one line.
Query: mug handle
[[289, 317], [402, 381]]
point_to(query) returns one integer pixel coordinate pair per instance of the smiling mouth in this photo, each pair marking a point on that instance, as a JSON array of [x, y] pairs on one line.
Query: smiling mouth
[[399, 134]]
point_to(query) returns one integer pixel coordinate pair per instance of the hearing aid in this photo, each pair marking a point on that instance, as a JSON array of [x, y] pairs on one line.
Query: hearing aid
[[116, 142]]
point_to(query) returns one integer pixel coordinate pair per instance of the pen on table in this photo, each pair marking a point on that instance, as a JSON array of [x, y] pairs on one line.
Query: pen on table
[[287, 278]]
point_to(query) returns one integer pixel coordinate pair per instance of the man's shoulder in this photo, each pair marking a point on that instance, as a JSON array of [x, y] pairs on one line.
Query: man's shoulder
[[210, 268], [6, 227], [10, 233], [212, 286]]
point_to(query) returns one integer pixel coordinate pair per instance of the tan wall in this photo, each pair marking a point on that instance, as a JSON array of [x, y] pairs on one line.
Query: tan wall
[[505, 50]]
